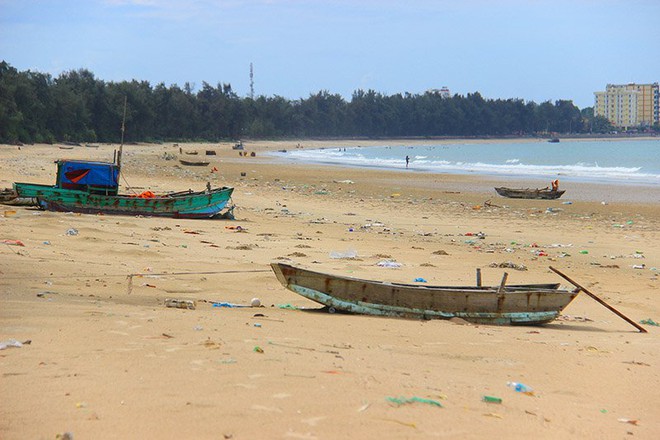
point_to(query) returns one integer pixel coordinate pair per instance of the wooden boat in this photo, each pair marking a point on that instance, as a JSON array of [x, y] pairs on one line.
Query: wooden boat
[[527, 193], [93, 188], [526, 304], [88, 198], [194, 163]]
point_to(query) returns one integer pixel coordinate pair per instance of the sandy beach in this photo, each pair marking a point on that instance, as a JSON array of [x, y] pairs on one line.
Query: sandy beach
[[106, 359]]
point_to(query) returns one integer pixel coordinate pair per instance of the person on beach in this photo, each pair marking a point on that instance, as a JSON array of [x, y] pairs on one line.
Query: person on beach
[[555, 185], [407, 161]]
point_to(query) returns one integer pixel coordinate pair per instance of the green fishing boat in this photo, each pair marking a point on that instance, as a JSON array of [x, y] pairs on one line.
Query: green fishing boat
[[93, 188]]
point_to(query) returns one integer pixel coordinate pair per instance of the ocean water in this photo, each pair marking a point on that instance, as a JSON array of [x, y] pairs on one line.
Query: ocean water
[[634, 162]]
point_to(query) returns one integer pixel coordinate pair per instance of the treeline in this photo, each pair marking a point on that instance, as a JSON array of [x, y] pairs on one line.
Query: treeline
[[76, 106]]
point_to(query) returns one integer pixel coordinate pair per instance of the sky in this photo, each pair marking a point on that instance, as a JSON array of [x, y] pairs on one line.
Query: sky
[[534, 50]]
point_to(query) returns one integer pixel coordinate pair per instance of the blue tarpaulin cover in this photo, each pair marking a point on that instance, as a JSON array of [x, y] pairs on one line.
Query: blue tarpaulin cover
[[78, 173]]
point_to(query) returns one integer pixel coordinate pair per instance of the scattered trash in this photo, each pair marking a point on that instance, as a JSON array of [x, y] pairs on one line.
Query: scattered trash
[[491, 399], [256, 324], [13, 242], [497, 416], [631, 421], [639, 266], [255, 302], [403, 401], [420, 280], [509, 265], [567, 203], [349, 254], [521, 388], [574, 318], [287, 307], [258, 349], [584, 252], [227, 305], [649, 322], [389, 263], [180, 303], [10, 343], [71, 231]]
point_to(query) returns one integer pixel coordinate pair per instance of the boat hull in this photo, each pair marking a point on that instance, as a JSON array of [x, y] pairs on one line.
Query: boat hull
[[541, 194], [514, 305], [203, 204]]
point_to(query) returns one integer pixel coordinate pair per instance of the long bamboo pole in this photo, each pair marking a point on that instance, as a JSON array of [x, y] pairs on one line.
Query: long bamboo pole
[[615, 311]]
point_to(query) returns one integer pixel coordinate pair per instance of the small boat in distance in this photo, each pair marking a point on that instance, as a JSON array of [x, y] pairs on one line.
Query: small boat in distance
[[194, 163], [525, 304], [554, 140], [527, 193]]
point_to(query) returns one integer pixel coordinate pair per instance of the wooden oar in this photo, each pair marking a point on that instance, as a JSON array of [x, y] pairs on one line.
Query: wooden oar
[[621, 315]]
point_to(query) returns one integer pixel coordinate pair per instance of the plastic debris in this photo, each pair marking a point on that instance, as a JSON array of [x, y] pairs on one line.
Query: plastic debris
[[287, 307], [348, 254], [649, 322], [180, 303], [403, 401], [258, 349], [13, 242], [72, 231], [227, 305], [420, 280], [509, 265], [389, 263], [630, 421], [521, 388], [491, 399], [10, 343]]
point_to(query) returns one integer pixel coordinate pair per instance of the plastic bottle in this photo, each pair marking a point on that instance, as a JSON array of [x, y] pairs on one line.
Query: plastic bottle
[[521, 388]]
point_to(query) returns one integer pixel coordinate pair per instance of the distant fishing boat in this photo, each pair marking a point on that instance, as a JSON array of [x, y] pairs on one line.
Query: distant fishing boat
[[527, 193], [93, 188], [194, 163], [526, 304]]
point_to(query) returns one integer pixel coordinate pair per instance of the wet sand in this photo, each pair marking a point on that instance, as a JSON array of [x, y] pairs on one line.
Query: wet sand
[[107, 359]]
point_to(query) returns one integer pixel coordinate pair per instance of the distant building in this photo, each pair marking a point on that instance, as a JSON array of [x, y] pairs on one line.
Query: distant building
[[443, 92], [629, 105]]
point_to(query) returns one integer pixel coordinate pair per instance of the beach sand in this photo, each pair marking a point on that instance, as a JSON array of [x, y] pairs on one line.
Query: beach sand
[[107, 359]]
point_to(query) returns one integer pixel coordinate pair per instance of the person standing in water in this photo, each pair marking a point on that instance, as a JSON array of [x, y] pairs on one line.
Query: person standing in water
[[407, 161]]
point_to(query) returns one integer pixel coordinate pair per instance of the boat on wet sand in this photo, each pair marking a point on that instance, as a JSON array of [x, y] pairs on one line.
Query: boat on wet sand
[[527, 193], [524, 304]]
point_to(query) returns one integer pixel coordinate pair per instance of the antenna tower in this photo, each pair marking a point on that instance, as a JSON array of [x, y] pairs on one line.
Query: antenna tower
[[251, 82]]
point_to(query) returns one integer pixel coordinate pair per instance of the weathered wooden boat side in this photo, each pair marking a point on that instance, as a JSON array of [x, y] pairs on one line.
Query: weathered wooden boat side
[[187, 204], [194, 163], [528, 193], [517, 304]]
